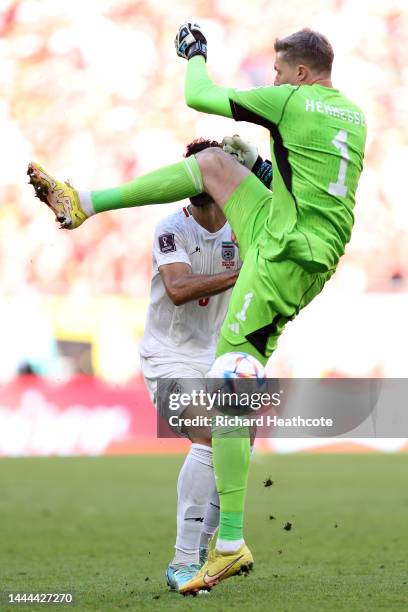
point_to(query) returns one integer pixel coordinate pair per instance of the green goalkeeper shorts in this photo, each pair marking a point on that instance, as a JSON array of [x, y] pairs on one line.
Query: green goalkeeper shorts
[[267, 293]]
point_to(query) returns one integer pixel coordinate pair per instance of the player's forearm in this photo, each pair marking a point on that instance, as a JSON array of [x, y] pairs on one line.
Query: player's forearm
[[202, 94], [192, 287]]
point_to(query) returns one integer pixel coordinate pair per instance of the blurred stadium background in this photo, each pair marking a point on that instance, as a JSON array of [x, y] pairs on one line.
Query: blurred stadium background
[[95, 93]]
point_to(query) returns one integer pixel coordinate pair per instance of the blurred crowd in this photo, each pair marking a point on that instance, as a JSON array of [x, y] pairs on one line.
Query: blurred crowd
[[94, 92]]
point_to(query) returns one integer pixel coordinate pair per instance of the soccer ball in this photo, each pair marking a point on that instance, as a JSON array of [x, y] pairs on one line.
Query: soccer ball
[[236, 365], [235, 377]]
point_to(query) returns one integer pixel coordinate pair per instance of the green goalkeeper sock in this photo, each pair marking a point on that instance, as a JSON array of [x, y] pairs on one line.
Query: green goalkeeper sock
[[231, 455], [168, 184]]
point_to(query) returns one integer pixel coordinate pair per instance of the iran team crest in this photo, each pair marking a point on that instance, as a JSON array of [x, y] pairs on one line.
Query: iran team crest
[[228, 254], [228, 251]]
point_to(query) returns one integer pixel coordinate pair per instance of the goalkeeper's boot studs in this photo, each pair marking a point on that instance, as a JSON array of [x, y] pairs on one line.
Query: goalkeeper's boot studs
[[219, 567], [62, 198]]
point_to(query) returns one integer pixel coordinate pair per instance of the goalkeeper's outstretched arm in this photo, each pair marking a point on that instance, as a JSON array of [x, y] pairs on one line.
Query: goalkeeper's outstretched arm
[[202, 94], [260, 105]]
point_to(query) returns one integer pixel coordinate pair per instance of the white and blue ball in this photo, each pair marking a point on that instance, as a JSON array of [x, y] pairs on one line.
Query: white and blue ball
[[239, 374], [236, 365]]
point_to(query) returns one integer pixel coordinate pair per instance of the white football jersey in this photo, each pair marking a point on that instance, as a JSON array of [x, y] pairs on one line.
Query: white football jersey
[[187, 333]]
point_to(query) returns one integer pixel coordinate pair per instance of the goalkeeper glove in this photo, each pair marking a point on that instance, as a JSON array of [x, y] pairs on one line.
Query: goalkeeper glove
[[247, 155], [190, 41]]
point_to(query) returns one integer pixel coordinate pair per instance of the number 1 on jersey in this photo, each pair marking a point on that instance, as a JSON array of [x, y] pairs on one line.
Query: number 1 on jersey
[[339, 187]]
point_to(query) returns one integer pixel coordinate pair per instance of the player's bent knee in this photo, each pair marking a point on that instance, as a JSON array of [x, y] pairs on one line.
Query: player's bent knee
[[221, 174], [214, 162]]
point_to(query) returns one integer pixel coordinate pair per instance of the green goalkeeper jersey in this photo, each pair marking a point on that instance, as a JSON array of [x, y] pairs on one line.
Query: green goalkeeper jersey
[[317, 147]]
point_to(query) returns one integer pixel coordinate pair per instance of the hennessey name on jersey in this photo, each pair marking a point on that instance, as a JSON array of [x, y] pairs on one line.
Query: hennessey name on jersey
[[344, 114]]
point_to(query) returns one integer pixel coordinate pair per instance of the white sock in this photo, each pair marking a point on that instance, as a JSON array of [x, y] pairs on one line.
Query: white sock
[[195, 485], [85, 200], [211, 519], [229, 546]]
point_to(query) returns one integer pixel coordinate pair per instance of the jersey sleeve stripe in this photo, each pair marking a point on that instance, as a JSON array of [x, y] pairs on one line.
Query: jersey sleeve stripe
[[240, 113]]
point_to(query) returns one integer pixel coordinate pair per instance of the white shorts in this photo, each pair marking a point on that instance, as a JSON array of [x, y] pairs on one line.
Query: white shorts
[[154, 369]]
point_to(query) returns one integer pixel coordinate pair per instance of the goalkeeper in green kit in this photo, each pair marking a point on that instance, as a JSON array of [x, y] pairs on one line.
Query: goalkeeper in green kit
[[290, 238]]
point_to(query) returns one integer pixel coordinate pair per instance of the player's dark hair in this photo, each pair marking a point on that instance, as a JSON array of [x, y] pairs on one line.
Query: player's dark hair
[[202, 199], [307, 46]]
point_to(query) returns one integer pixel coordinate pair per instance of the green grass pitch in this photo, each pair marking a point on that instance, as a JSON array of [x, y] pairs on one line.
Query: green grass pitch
[[104, 528]]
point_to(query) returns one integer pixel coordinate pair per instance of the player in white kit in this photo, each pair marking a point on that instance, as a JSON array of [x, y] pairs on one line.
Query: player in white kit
[[195, 265]]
